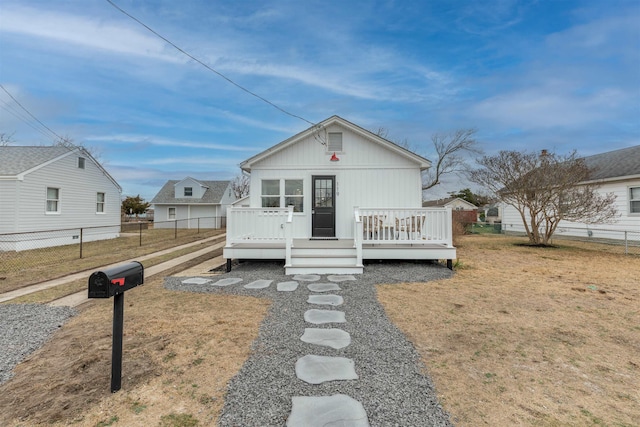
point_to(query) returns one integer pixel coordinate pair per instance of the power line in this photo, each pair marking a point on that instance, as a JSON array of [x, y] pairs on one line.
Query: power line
[[22, 117], [208, 67], [29, 113]]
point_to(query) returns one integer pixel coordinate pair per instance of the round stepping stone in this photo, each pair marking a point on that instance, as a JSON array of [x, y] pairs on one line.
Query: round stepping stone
[[227, 281], [334, 338], [340, 278], [258, 284], [319, 317], [306, 277], [333, 300], [337, 410], [196, 281], [319, 369], [323, 287], [287, 286]]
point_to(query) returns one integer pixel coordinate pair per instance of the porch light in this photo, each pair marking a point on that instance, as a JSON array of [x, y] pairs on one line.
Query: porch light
[[334, 158]]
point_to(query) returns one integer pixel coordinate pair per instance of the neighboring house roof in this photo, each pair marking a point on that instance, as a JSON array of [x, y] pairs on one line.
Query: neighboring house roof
[[212, 195], [424, 163], [447, 201], [615, 164], [17, 161]]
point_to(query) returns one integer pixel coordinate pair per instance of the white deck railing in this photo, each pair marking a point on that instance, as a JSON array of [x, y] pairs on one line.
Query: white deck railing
[[268, 225], [402, 225]]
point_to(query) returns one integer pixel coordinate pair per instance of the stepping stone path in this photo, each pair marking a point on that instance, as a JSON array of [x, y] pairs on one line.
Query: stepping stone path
[[319, 317], [338, 410], [323, 287], [325, 300], [287, 286], [334, 338], [258, 284]]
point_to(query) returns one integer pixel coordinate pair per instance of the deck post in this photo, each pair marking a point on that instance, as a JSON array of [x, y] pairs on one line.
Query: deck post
[[228, 265], [450, 264]]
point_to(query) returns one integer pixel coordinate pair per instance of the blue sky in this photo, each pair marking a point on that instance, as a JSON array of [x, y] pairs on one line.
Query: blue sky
[[559, 75]]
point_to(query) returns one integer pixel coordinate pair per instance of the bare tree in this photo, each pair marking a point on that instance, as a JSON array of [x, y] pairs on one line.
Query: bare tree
[[240, 186], [5, 139], [69, 143], [451, 150], [545, 189]]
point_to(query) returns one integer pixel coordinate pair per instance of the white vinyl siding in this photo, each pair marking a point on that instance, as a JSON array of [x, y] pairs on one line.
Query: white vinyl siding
[[100, 199], [634, 200], [53, 200]]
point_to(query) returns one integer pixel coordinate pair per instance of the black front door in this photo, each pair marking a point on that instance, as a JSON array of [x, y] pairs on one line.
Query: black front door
[[323, 214]]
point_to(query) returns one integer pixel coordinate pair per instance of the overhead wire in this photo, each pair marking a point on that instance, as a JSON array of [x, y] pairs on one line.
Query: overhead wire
[[22, 117], [29, 113], [179, 49]]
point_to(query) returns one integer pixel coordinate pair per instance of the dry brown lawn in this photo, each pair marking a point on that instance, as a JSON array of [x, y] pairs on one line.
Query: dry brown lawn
[[529, 336], [180, 350]]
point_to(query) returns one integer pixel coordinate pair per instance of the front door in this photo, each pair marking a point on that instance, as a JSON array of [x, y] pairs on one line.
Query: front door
[[323, 213]]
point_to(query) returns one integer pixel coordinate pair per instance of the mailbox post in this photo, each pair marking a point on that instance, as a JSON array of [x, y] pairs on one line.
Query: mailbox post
[[113, 282]]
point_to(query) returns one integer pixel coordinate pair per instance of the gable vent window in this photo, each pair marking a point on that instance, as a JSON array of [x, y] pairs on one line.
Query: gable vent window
[[81, 162], [335, 142], [188, 191]]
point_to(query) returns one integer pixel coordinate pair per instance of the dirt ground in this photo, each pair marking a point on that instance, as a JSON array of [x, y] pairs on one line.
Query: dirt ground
[[180, 350], [529, 336]]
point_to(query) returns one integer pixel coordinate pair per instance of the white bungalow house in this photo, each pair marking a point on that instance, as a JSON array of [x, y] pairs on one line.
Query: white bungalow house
[[616, 172], [53, 196], [192, 203], [332, 196]]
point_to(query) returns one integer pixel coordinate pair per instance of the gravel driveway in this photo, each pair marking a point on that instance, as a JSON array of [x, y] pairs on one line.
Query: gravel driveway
[[392, 384]]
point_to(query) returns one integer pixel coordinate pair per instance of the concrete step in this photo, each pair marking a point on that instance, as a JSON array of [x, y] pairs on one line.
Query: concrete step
[[323, 269]]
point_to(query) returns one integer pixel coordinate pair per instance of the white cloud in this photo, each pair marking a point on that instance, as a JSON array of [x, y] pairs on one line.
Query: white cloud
[[153, 140], [84, 31]]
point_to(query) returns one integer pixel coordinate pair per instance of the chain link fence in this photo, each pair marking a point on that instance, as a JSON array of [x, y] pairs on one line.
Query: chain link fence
[[627, 240], [27, 258]]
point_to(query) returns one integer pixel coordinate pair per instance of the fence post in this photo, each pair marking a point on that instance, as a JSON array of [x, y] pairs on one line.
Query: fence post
[[626, 244], [80, 243], [140, 232], [175, 229], [198, 225]]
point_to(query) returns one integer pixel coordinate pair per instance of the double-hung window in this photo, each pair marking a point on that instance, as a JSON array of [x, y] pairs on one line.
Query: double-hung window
[[53, 200], [634, 200], [171, 213], [81, 162], [188, 191], [278, 193], [100, 197]]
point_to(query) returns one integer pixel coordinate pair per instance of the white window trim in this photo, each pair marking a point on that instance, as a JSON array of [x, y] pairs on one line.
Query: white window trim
[[631, 200], [281, 194], [175, 213], [104, 203], [46, 202]]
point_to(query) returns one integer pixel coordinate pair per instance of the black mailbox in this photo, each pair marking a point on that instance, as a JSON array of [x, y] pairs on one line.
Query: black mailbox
[[115, 280]]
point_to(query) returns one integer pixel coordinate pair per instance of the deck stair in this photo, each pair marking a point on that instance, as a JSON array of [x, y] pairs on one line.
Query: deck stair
[[323, 257]]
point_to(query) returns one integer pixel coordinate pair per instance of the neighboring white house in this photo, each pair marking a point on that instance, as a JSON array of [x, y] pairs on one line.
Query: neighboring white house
[[192, 203], [617, 172], [55, 188], [333, 195]]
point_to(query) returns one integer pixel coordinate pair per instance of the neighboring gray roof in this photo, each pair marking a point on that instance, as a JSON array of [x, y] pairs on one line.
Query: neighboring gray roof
[[213, 194], [614, 164], [439, 202], [17, 159]]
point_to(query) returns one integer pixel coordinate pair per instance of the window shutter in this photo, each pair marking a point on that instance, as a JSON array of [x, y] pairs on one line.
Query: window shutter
[[335, 141]]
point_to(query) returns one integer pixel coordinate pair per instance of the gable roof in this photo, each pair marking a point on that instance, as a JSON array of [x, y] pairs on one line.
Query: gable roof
[[614, 164], [424, 163], [212, 195], [21, 159], [446, 201]]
